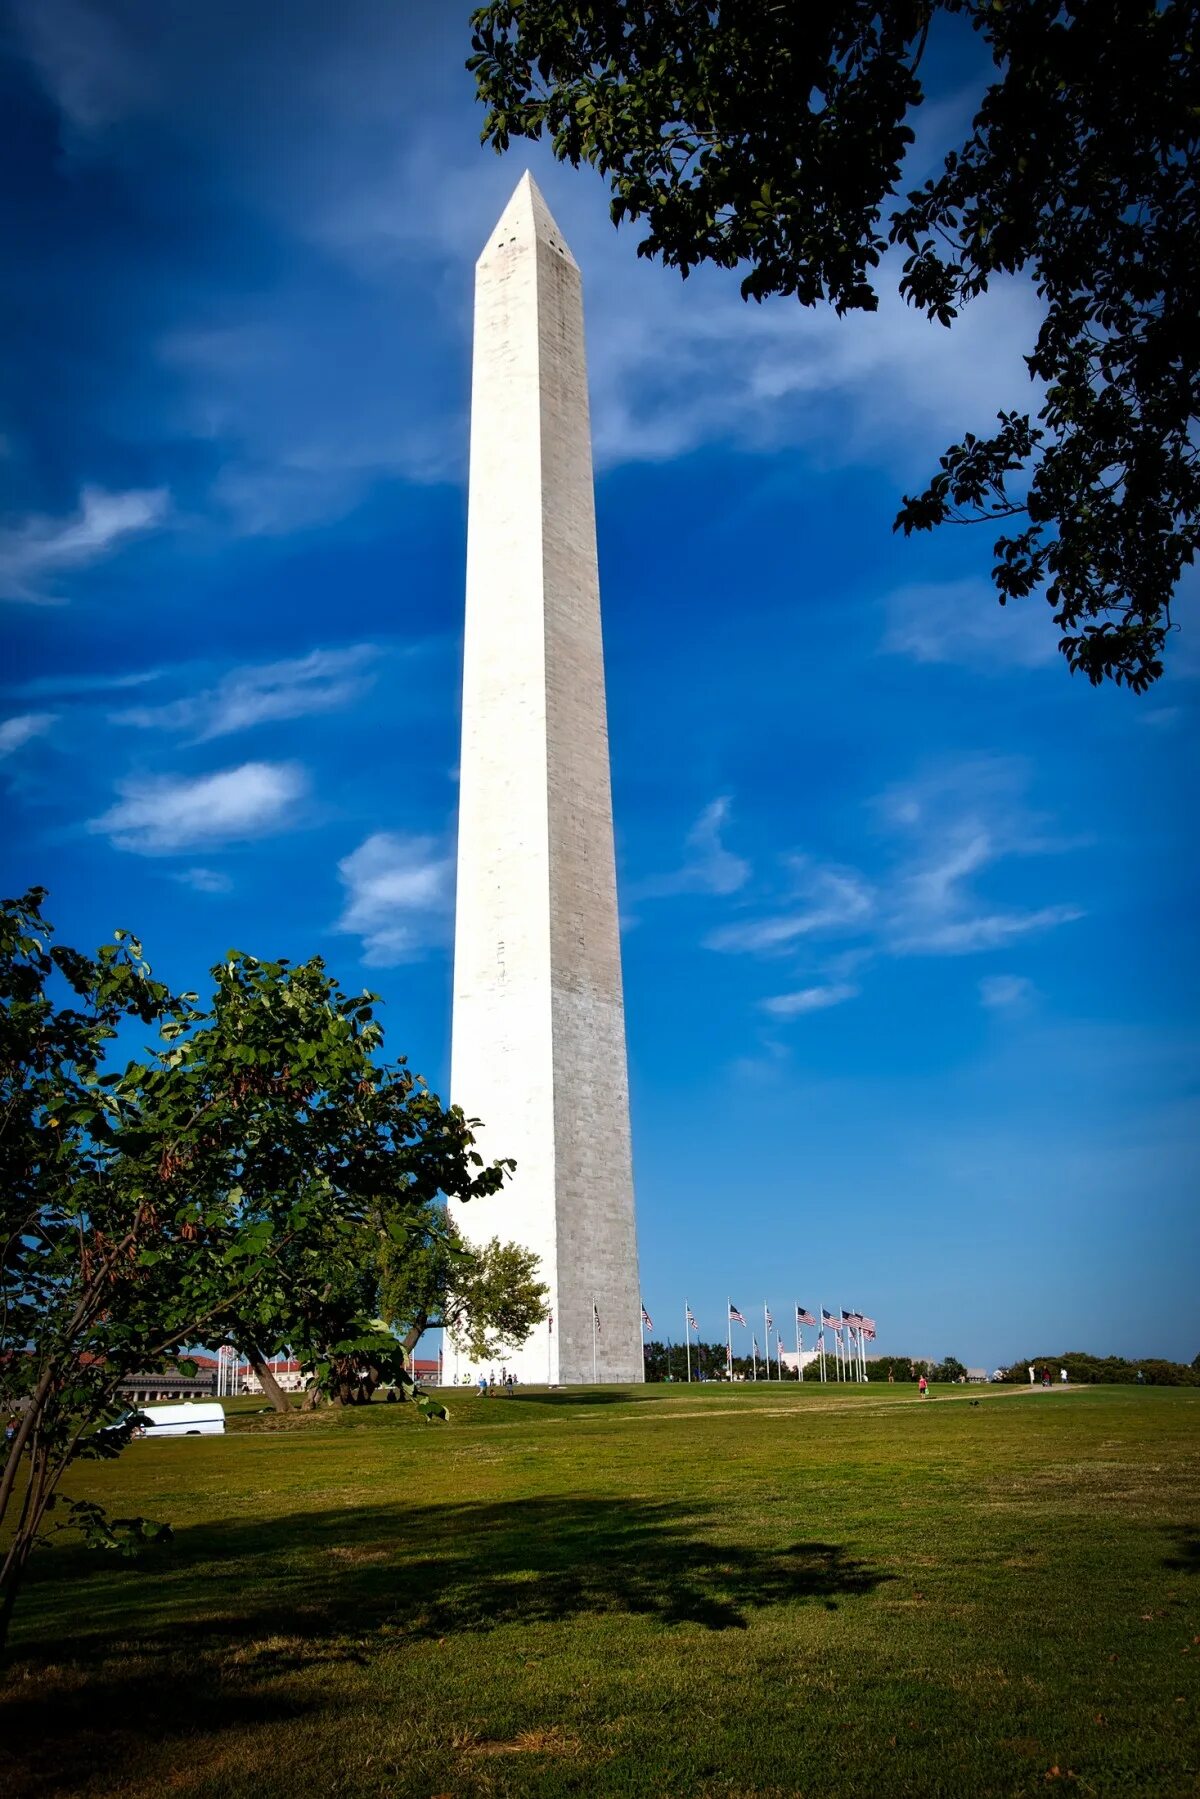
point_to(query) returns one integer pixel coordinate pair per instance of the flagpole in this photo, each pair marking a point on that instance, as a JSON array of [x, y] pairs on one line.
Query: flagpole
[[799, 1363], [594, 1318], [754, 1357], [729, 1339], [767, 1338], [687, 1338]]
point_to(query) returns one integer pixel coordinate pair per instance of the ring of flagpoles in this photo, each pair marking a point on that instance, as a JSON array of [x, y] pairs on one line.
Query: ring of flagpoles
[[849, 1333]]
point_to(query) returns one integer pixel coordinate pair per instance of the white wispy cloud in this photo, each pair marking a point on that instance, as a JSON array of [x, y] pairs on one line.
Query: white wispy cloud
[[160, 814], [33, 552], [397, 896], [825, 900], [988, 930], [1001, 992], [943, 833], [21, 730], [708, 866], [951, 825], [204, 880], [65, 687], [964, 622], [319, 682], [808, 999]]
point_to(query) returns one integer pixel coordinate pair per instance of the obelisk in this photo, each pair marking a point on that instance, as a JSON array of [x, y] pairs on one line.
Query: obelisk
[[538, 1051]]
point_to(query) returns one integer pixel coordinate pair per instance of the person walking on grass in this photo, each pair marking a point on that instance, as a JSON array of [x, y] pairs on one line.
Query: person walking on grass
[[1031, 1374], [923, 1387]]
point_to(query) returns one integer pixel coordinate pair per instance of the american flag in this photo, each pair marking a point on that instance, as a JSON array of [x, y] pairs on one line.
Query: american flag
[[828, 1321], [735, 1315], [803, 1317], [868, 1327], [647, 1321], [595, 1318], [691, 1321], [756, 1349], [768, 1317], [550, 1322], [854, 1318]]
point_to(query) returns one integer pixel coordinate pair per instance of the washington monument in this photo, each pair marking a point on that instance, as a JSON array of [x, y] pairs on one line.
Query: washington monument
[[538, 1048]]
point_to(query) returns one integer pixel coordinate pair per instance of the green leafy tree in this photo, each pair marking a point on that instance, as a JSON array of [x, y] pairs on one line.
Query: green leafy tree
[[893, 1367], [771, 138], [490, 1295], [225, 1182], [71, 1238], [1084, 1369]]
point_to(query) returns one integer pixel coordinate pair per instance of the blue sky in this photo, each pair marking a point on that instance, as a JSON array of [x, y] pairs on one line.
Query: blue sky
[[909, 939]]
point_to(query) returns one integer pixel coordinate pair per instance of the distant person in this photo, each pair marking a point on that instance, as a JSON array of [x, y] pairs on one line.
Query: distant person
[[1032, 1376], [483, 1386], [1063, 1373], [922, 1386], [508, 1384], [891, 1377], [1045, 1377]]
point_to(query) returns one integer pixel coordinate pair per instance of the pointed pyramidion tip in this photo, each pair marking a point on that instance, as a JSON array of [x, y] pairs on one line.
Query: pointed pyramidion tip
[[526, 221]]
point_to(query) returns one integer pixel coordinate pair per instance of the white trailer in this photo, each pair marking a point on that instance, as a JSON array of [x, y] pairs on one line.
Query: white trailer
[[200, 1418]]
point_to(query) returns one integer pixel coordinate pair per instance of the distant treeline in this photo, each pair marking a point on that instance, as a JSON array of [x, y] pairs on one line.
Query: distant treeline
[[1107, 1370], [667, 1361]]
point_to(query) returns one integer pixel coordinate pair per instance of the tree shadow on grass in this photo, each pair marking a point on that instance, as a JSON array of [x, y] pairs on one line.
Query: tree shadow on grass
[[57, 1739], [421, 1571], [115, 1657], [1186, 1559]]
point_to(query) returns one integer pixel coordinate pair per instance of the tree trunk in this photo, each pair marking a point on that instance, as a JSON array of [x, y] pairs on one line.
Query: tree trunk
[[267, 1381]]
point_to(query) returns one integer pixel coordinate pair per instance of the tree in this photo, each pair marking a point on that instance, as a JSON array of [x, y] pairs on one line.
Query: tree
[[772, 138], [228, 1184], [68, 1245], [490, 1295], [895, 1367], [1084, 1369], [951, 1369]]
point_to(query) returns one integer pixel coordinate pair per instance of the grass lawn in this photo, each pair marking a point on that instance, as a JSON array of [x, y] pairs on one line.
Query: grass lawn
[[668, 1591]]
